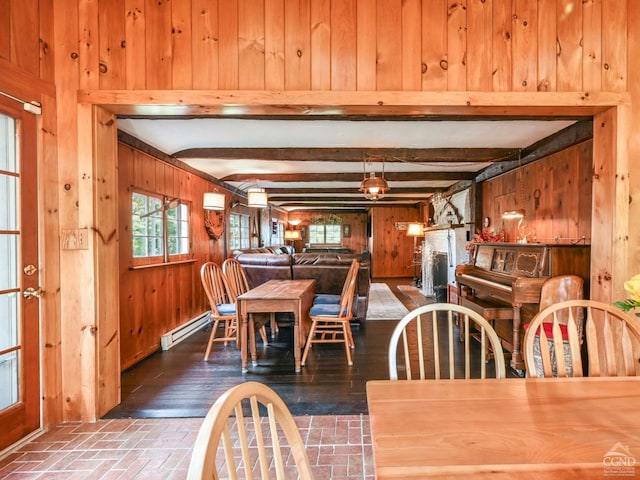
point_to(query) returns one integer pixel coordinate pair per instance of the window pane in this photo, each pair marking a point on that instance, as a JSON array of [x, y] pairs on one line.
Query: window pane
[[8, 201], [238, 231], [8, 144], [9, 379], [8, 320], [138, 204], [140, 247], [184, 229], [333, 234], [172, 228], [155, 226], [8, 265], [155, 247], [316, 234], [173, 246], [178, 230]]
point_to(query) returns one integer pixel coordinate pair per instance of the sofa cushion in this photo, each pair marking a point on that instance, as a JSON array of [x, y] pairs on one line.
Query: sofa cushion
[[261, 267], [329, 270]]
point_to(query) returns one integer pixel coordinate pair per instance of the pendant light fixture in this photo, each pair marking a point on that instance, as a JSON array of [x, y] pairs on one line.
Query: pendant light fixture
[[373, 188], [257, 197], [213, 201]]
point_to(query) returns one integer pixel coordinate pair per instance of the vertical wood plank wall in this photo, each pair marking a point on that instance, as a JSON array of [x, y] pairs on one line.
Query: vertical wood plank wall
[[392, 257], [562, 182], [367, 45], [155, 300]]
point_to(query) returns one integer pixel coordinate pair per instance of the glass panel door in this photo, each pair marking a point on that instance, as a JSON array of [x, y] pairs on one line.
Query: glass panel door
[[19, 275], [9, 288]]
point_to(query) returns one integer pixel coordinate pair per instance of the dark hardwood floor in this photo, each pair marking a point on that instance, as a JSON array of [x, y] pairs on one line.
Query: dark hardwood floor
[[178, 383]]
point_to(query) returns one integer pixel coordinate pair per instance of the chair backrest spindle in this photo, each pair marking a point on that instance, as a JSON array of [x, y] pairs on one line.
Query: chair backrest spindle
[[612, 340], [421, 338]]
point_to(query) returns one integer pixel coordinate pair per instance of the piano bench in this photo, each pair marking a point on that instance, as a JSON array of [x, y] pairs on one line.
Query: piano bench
[[489, 308]]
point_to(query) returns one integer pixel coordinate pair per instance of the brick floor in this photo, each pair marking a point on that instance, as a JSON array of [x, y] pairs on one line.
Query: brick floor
[[339, 447]]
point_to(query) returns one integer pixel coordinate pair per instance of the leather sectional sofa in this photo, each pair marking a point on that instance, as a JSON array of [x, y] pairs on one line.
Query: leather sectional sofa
[[329, 270]]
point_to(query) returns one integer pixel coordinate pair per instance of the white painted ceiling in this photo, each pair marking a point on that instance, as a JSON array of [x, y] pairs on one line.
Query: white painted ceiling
[[175, 135]]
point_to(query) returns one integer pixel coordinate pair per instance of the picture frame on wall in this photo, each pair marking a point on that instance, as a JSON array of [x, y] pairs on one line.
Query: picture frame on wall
[[346, 230]]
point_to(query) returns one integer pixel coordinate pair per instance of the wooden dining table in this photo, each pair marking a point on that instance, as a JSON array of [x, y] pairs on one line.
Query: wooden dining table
[[272, 297], [506, 428]]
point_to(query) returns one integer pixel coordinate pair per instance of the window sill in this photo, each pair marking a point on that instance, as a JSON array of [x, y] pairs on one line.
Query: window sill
[[163, 264]]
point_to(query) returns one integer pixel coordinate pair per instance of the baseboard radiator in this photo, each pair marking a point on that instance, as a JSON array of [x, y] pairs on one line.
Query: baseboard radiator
[[178, 334]]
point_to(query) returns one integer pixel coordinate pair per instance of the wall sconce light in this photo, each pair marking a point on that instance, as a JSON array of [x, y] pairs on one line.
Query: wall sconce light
[[213, 201], [257, 197], [513, 214]]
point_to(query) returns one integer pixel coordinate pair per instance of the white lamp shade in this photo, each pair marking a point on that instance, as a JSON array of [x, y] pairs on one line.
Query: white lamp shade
[[292, 235], [257, 197], [213, 201], [415, 230]]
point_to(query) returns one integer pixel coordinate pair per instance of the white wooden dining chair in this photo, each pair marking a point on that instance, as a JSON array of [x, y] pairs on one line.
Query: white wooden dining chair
[[222, 309], [428, 330], [228, 441], [612, 341]]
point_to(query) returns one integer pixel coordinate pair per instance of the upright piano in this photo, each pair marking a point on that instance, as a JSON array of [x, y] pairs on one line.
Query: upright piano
[[502, 278]]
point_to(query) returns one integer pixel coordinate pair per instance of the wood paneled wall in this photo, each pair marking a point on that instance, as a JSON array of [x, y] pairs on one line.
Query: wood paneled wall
[[393, 252], [357, 242], [472, 45], [395, 46], [555, 192], [157, 299]]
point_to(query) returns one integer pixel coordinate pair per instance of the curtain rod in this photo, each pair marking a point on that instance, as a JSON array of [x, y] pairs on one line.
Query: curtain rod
[[32, 107]]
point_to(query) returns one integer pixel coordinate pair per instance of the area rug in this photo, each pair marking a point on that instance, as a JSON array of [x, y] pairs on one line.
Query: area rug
[[415, 296], [383, 304]]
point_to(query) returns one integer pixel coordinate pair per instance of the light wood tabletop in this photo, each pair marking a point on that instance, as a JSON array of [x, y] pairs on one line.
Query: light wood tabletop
[[276, 296], [506, 428]]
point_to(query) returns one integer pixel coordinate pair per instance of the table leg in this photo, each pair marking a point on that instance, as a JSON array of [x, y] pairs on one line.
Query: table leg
[[252, 339], [517, 362], [243, 342], [296, 340]]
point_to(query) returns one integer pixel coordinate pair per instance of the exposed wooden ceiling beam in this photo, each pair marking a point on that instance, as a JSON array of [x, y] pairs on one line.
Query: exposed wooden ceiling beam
[[339, 202], [337, 191], [411, 155], [346, 177], [565, 138], [343, 199]]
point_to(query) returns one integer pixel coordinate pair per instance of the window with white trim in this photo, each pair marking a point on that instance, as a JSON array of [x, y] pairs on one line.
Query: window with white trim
[[323, 234], [160, 227], [238, 231]]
